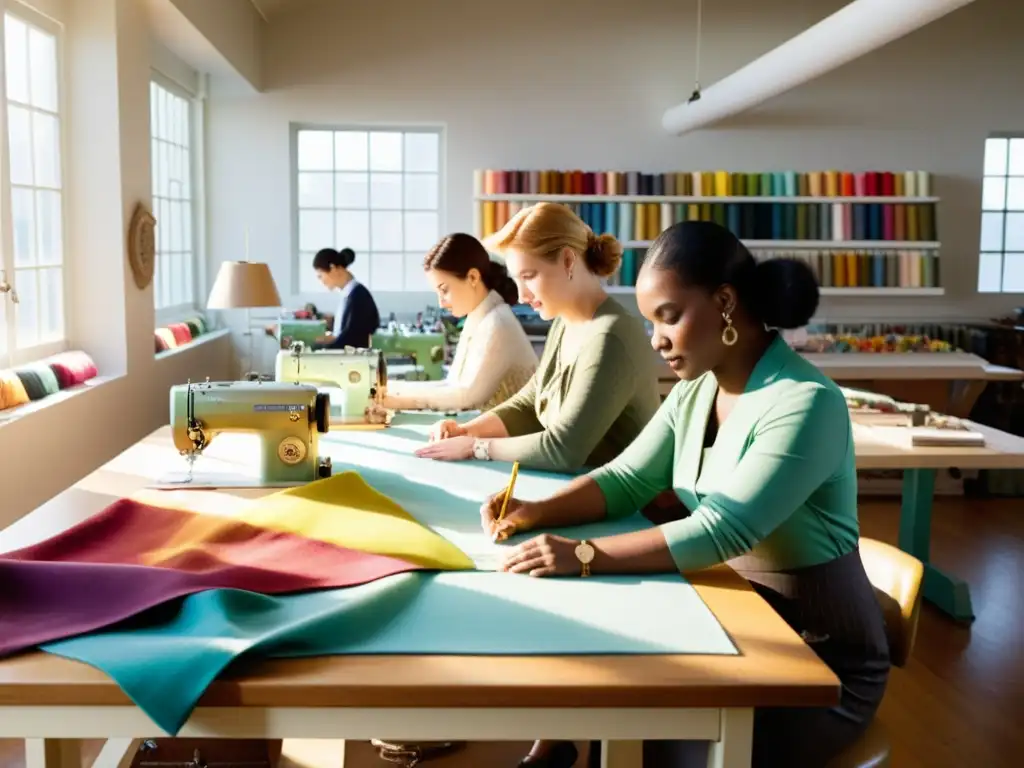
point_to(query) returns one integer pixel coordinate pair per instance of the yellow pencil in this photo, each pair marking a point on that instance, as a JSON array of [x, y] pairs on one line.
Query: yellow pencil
[[509, 491]]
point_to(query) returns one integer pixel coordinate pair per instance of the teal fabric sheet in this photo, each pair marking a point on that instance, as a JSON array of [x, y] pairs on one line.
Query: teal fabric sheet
[[165, 659]]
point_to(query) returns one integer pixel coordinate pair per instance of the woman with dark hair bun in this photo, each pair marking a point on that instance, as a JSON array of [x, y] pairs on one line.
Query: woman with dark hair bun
[[357, 316], [757, 444], [494, 357]]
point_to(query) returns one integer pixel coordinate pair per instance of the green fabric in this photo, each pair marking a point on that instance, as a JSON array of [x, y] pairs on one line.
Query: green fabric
[[779, 484], [39, 380], [193, 328], [165, 661], [586, 410]]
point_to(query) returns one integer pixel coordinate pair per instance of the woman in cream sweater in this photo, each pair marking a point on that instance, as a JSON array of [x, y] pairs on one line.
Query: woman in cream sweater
[[494, 358]]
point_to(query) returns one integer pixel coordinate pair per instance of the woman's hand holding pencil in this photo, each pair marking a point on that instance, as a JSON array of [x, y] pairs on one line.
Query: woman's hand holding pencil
[[503, 515]]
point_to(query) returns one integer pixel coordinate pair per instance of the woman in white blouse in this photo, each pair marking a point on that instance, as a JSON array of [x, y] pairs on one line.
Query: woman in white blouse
[[494, 358]]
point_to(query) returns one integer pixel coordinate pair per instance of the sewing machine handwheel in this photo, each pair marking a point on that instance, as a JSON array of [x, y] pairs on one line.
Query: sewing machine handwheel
[[323, 411]]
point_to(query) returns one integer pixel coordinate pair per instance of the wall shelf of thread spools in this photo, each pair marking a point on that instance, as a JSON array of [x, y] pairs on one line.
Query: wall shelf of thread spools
[[864, 234]]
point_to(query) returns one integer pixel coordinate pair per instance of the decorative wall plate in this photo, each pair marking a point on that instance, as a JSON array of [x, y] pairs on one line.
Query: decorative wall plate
[[142, 246]]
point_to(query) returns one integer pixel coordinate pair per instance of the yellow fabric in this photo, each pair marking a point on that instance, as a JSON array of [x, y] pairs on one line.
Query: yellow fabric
[[167, 337], [12, 391], [342, 510]]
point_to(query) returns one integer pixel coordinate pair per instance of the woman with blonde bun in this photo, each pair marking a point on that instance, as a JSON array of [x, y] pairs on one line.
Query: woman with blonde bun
[[595, 387]]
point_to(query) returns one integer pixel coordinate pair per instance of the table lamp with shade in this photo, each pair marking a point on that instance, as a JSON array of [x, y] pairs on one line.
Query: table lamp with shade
[[244, 285]]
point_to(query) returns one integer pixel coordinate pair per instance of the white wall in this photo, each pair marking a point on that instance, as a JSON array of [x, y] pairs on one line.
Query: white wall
[[108, 60], [583, 84]]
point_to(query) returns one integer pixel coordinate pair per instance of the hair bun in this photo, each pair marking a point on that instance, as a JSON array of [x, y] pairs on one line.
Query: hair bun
[[785, 292], [499, 280], [603, 255], [346, 256]]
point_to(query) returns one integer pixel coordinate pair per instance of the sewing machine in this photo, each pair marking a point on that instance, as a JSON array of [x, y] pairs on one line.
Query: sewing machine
[[286, 417], [357, 380]]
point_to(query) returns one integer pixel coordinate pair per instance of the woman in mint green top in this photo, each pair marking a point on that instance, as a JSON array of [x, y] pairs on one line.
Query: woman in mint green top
[[757, 445]]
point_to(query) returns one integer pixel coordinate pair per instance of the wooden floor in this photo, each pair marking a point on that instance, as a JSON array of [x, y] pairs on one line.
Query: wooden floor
[[960, 700]]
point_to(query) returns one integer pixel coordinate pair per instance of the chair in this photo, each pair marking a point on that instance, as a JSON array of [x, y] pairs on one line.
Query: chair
[[896, 577]]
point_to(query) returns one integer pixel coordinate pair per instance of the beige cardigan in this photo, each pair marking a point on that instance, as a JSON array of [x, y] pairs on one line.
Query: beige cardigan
[[493, 361]]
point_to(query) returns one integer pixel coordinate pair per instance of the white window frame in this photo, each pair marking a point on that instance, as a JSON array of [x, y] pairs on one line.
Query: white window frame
[[197, 166], [300, 261], [10, 354], [1005, 176]]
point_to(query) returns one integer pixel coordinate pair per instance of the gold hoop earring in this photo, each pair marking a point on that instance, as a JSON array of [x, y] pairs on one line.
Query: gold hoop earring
[[729, 334]]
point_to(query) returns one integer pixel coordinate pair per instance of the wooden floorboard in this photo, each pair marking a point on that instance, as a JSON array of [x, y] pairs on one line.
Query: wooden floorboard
[[960, 700]]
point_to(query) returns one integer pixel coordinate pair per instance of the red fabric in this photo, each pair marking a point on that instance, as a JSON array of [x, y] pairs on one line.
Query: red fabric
[[181, 333], [72, 368], [161, 343]]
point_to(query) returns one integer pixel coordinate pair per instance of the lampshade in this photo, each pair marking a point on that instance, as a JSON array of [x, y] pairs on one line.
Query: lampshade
[[243, 284]]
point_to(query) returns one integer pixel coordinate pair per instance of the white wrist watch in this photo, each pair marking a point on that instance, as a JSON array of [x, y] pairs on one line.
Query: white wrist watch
[[482, 450], [585, 554]]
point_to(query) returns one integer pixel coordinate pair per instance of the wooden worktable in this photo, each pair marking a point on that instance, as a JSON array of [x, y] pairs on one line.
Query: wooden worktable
[[614, 698]]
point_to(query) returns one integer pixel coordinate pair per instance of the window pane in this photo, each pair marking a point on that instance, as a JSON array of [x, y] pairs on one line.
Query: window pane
[[46, 147], [316, 190], [1016, 157], [176, 225], [992, 231], [51, 308], [351, 190], [1015, 194], [316, 230], [386, 231], [353, 231], [990, 272], [24, 220], [421, 192], [421, 152], [1014, 232], [16, 59], [20, 132], [316, 150], [351, 151], [420, 231], [50, 228], [386, 191], [385, 151], [308, 282], [42, 56], [1013, 273], [386, 271], [995, 156], [415, 277], [27, 310], [993, 193]]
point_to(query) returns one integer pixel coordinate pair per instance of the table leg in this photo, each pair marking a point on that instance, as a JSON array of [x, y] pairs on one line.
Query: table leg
[[734, 747], [948, 593], [622, 754]]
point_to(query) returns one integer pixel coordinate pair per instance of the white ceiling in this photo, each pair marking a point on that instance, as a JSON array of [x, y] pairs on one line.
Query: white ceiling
[[270, 8]]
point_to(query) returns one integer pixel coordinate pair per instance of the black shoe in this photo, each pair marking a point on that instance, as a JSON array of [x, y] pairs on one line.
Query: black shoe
[[562, 755]]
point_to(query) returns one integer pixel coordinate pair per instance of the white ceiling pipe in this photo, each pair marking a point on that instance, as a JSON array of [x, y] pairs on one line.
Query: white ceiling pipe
[[849, 33]]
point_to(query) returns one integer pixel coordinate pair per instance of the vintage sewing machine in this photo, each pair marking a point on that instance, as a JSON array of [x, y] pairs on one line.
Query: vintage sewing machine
[[356, 379], [287, 417]]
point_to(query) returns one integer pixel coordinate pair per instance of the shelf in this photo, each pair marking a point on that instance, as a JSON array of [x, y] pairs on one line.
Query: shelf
[[538, 198], [866, 291], [825, 245]]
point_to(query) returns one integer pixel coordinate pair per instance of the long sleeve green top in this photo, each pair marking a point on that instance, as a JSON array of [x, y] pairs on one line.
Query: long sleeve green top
[[582, 407], [779, 483]]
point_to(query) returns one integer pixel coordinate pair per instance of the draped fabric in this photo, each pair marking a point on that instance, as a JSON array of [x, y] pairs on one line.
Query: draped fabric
[[133, 556]]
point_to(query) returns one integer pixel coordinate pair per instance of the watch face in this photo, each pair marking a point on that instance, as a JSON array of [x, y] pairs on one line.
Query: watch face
[[584, 553]]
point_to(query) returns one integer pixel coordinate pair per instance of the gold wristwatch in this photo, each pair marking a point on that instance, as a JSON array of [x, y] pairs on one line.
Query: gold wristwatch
[[585, 554]]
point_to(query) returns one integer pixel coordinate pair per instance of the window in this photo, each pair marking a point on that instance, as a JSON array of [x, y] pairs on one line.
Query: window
[[377, 192], [1001, 263], [174, 279], [32, 218]]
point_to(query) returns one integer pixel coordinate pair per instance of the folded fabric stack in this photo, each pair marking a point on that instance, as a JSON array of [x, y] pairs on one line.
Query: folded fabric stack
[[177, 335], [888, 343], [36, 381]]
